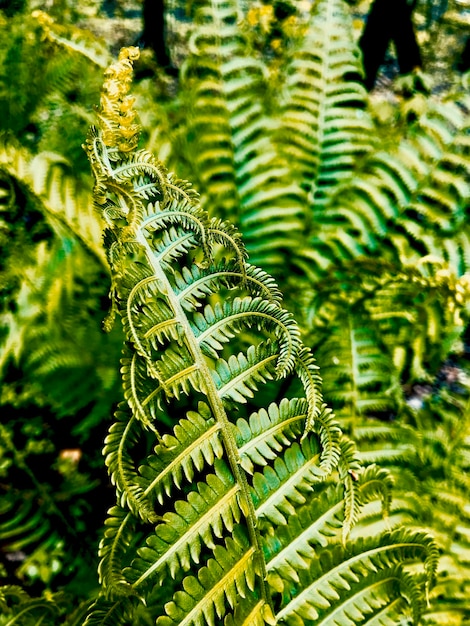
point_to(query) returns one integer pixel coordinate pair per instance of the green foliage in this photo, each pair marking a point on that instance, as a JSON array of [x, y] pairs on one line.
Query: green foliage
[[59, 372], [237, 542], [423, 451], [239, 499], [231, 137], [44, 101], [323, 127], [409, 202]]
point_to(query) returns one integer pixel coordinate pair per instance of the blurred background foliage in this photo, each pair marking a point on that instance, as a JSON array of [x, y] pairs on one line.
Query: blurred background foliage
[[381, 292]]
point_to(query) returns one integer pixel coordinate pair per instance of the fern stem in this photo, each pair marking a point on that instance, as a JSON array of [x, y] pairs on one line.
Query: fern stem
[[219, 412]]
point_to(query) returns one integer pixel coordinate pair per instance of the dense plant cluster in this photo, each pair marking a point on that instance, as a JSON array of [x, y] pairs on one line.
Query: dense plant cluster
[[290, 441]]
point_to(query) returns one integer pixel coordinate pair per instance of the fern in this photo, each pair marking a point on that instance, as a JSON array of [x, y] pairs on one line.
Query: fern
[[411, 200], [203, 493], [40, 327], [73, 39], [426, 453], [236, 161], [324, 127], [32, 611], [239, 500], [357, 372], [412, 319]]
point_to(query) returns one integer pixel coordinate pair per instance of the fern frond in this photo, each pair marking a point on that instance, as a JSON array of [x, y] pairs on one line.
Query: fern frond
[[285, 484], [307, 370], [12, 591], [111, 612], [235, 158], [210, 510], [329, 432], [195, 441], [413, 313], [65, 201], [73, 39], [197, 282], [267, 431], [225, 578], [377, 481], [123, 435], [342, 572], [324, 127], [354, 368], [219, 323], [119, 533], [23, 525], [405, 199], [301, 533], [26, 610], [349, 466], [205, 332], [238, 378]]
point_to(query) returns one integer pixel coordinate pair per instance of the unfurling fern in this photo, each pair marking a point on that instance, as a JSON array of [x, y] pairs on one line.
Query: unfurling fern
[[235, 498]]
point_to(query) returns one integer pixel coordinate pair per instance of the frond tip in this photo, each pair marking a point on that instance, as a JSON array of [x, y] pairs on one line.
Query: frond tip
[[116, 114]]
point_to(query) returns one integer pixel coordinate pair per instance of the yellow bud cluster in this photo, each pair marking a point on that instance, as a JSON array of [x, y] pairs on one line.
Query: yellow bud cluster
[[116, 115]]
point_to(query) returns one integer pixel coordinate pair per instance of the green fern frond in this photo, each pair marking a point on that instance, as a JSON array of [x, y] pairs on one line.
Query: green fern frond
[[154, 369], [333, 446], [267, 431], [235, 158], [220, 323], [346, 571], [238, 378], [12, 591], [405, 199], [324, 127], [377, 481], [355, 367], [110, 612], [197, 282], [123, 435], [23, 524], [114, 551], [300, 533], [423, 457], [287, 483], [307, 371], [349, 465], [195, 523], [414, 314], [74, 39], [195, 442], [18, 608], [205, 332], [65, 201], [225, 578]]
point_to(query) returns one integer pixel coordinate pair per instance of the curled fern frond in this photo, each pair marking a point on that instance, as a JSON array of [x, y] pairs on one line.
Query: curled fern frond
[[205, 468]]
